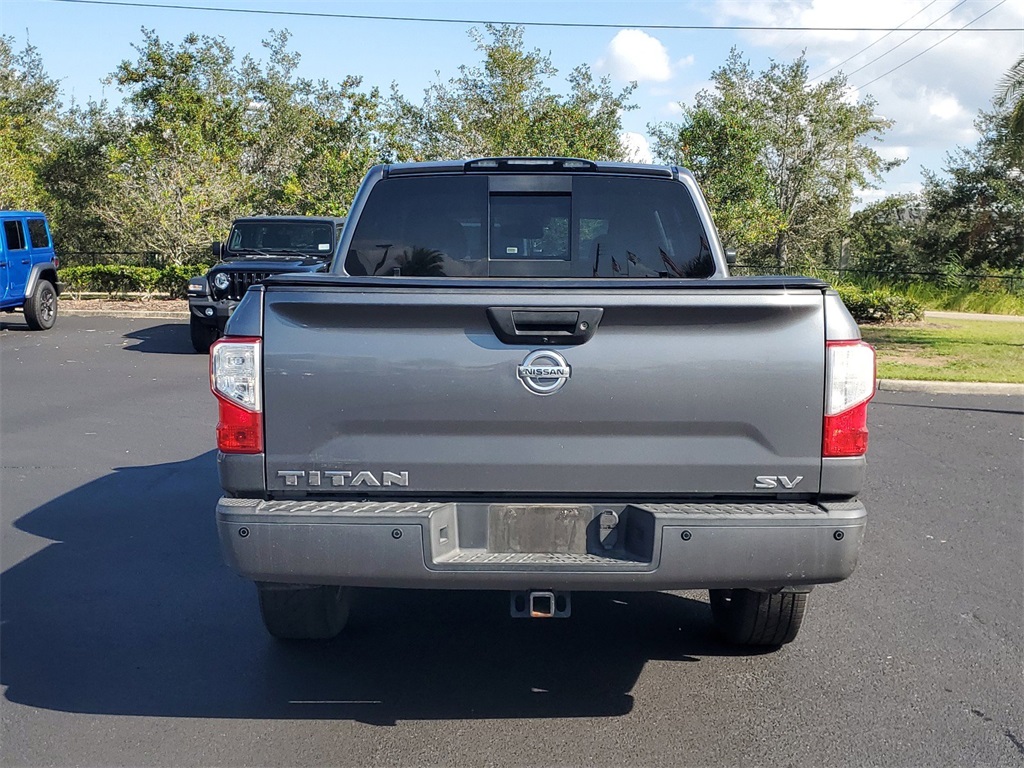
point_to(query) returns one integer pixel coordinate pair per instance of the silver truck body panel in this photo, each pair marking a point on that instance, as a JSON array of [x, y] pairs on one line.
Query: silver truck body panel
[[678, 392]]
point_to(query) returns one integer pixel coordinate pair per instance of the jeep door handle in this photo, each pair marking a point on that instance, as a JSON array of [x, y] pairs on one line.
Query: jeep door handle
[[26, 261], [547, 325], [3, 263]]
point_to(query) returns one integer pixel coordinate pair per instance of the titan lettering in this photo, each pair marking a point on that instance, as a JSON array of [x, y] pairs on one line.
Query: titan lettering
[[341, 478]]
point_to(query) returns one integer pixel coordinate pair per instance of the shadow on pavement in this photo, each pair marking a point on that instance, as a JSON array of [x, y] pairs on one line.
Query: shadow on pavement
[[13, 322], [166, 339], [969, 409], [130, 611]]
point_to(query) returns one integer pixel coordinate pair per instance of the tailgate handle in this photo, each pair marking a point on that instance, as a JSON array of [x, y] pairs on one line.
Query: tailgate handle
[[551, 325]]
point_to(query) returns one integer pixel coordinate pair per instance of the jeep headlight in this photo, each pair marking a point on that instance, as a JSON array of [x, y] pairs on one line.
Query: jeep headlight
[[221, 281]]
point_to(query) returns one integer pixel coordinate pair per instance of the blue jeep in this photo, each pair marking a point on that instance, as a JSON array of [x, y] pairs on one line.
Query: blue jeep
[[28, 268]]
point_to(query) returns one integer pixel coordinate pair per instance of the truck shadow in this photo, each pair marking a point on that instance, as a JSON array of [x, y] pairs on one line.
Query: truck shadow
[[166, 339], [130, 611], [14, 321]]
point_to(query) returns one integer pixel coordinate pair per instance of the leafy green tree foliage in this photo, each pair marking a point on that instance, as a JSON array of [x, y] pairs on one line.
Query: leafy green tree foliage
[[780, 157], [885, 237], [29, 109], [204, 141], [175, 174], [1010, 97], [721, 140], [505, 106], [312, 142], [975, 214], [75, 173], [968, 219]]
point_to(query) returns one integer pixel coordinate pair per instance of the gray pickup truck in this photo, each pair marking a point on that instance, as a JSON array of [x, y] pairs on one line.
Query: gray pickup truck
[[536, 375]]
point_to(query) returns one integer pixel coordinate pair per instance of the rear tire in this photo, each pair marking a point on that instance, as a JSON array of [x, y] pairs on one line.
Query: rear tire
[[41, 306], [746, 617], [304, 612], [202, 335]]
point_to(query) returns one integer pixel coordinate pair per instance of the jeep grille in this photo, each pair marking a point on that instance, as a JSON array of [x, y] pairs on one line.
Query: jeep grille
[[240, 282]]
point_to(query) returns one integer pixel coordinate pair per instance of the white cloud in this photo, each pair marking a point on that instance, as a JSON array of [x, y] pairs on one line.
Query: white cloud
[[945, 108], [635, 55], [889, 152], [638, 150], [866, 197], [686, 61]]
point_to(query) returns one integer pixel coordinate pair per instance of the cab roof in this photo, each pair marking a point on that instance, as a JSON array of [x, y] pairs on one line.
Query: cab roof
[[528, 165]]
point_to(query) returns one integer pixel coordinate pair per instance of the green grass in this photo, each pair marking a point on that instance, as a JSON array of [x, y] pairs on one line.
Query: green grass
[[990, 297], [991, 301], [950, 350]]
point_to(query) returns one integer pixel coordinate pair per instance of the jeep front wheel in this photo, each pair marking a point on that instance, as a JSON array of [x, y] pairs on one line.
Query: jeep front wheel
[[202, 335], [41, 306]]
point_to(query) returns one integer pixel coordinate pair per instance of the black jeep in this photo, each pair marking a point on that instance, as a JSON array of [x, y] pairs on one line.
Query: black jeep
[[257, 247]]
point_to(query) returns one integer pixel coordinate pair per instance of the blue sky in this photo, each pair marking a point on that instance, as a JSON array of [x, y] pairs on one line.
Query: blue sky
[[933, 98]]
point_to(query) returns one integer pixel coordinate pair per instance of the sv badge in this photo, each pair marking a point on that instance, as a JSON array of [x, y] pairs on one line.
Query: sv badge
[[764, 482]]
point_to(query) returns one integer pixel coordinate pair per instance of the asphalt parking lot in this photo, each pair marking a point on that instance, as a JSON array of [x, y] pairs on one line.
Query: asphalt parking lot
[[126, 641]]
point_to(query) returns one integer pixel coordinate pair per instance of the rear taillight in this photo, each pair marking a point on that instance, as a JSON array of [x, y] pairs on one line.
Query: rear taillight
[[235, 381], [849, 385]]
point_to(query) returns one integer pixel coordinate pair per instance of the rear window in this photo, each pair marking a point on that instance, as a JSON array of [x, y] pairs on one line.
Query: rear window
[[582, 226], [37, 233]]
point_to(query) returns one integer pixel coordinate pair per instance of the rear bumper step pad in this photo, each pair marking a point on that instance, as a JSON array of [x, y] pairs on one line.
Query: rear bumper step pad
[[479, 546]]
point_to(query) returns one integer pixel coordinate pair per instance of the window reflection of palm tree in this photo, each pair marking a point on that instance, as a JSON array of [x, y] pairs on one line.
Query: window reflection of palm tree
[[667, 261], [422, 262]]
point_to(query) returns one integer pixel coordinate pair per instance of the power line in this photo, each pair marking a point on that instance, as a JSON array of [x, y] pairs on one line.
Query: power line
[[904, 42], [940, 42], [875, 42], [563, 24]]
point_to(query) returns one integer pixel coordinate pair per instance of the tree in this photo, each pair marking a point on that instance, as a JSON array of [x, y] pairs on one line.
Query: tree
[[204, 141], [506, 106], [311, 142], [885, 237], [975, 215], [76, 175], [29, 108], [721, 140], [176, 174], [780, 157], [1010, 96]]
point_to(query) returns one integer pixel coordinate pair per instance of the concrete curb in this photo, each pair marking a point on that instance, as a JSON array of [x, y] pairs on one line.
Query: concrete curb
[[127, 313], [950, 387], [937, 315]]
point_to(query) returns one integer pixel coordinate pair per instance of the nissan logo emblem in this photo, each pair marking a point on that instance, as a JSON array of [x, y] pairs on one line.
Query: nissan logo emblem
[[544, 372]]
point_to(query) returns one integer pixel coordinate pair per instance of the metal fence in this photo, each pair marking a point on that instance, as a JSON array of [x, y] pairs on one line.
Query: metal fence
[[121, 258], [1013, 282]]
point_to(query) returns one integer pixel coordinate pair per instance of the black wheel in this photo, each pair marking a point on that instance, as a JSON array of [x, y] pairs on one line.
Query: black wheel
[[745, 617], [304, 612], [41, 306], [202, 335]]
